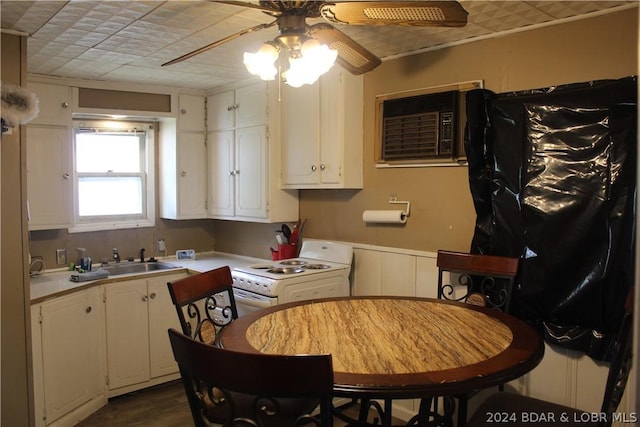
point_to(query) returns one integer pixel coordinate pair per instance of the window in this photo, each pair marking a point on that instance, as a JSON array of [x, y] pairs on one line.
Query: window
[[113, 179]]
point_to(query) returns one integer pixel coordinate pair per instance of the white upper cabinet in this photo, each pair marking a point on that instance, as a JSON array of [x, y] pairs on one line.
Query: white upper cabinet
[[183, 167], [322, 132], [191, 113], [49, 165], [244, 157], [54, 102]]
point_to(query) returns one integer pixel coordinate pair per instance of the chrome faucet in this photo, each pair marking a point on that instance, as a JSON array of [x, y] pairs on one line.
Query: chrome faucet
[[116, 255], [142, 255]]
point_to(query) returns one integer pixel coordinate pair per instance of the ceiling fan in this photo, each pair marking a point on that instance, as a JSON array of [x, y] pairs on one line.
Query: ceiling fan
[[294, 32]]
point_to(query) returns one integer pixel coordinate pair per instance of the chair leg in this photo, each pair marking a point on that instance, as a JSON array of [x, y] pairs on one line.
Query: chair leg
[[462, 411]]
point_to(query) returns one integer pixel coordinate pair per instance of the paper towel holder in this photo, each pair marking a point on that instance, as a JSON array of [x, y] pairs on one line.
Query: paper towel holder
[[394, 200]]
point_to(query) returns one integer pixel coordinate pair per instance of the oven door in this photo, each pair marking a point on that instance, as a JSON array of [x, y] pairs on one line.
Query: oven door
[[248, 301]]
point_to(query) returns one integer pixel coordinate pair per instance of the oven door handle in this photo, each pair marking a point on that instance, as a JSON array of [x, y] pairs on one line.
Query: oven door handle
[[250, 299]]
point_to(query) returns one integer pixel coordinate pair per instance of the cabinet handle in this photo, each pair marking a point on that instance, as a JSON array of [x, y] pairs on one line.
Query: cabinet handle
[[145, 298], [66, 176], [89, 309], [153, 295], [322, 167], [65, 104], [314, 168], [183, 173]]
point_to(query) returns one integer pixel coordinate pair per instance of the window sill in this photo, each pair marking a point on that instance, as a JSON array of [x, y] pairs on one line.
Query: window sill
[[103, 226]]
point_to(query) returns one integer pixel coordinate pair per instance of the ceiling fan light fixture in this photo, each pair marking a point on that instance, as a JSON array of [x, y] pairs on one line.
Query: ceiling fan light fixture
[[314, 60], [262, 62]]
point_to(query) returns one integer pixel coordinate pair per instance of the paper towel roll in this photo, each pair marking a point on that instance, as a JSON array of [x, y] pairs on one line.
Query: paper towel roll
[[389, 217]]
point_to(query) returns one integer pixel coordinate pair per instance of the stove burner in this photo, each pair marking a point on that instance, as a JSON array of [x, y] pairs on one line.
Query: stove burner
[[294, 262], [261, 266], [285, 270], [316, 266]]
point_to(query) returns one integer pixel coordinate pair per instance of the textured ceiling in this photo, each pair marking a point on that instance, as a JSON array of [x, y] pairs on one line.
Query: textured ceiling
[[127, 41]]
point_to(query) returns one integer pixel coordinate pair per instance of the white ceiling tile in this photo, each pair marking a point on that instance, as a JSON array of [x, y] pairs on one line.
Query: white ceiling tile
[[127, 41]]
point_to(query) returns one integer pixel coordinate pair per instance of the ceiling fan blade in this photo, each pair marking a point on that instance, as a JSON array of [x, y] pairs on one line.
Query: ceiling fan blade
[[219, 42], [351, 55], [265, 6], [416, 13]]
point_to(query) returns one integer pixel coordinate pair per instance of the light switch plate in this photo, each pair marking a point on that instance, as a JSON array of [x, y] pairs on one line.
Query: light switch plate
[[186, 254]]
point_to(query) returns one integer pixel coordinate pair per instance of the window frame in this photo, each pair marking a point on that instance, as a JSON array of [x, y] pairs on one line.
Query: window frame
[[147, 160]]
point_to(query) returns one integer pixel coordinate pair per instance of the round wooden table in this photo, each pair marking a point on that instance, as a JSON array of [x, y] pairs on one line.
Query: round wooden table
[[395, 347]]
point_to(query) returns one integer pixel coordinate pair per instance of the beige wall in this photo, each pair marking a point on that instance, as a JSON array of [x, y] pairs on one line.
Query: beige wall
[[442, 215], [17, 397]]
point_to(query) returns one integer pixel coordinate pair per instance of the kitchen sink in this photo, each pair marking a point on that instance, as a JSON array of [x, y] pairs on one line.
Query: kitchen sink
[[133, 268]]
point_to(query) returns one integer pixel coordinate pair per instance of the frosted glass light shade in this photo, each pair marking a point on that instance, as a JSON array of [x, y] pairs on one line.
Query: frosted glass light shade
[[262, 63], [312, 61]]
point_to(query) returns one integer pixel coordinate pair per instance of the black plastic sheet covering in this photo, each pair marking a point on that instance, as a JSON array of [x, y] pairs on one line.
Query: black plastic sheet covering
[[552, 173]]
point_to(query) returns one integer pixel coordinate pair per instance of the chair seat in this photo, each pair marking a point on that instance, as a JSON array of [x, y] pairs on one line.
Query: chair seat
[[516, 410]]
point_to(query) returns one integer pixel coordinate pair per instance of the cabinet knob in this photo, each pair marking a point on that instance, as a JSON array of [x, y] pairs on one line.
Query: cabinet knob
[[66, 176], [65, 105], [232, 173], [145, 298], [322, 167], [153, 295], [183, 173], [89, 309], [314, 168], [183, 111]]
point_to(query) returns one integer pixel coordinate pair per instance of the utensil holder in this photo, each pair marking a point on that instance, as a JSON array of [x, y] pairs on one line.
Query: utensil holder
[[286, 251]]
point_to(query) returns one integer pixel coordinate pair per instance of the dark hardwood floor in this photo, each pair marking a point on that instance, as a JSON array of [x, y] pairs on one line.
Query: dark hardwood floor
[[160, 406]]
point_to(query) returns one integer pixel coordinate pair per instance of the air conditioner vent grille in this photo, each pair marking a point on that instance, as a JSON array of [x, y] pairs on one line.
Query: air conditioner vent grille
[[412, 136]]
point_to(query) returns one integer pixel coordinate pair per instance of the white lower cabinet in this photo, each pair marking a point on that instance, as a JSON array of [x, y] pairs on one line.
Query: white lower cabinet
[[138, 314], [69, 366]]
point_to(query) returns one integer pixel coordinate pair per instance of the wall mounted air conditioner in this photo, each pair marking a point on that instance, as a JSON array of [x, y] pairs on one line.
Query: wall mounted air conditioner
[[423, 127]]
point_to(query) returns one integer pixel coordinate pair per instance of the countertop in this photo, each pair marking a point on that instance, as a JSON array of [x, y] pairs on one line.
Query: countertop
[[57, 282]]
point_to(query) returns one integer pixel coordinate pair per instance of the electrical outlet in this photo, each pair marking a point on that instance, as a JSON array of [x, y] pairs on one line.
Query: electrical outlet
[[61, 256], [161, 245]]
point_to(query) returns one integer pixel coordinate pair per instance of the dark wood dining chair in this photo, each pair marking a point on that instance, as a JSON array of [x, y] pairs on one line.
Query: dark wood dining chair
[[210, 374], [485, 280], [512, 406], [204, 303]]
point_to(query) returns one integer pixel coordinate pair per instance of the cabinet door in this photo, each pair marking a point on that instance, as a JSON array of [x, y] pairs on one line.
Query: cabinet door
[[301, 135], [191, 114], [251, 105], [221, 161], [54, 102], [251, 172], [127, 333], [192, 175], [73, 351], [162, 316], [332, 125], [49, 177], [221, 111]]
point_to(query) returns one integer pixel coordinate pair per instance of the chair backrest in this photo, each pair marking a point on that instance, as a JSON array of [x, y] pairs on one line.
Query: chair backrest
[[486, 279], [204, 303], [621, 361], [209, 373]]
